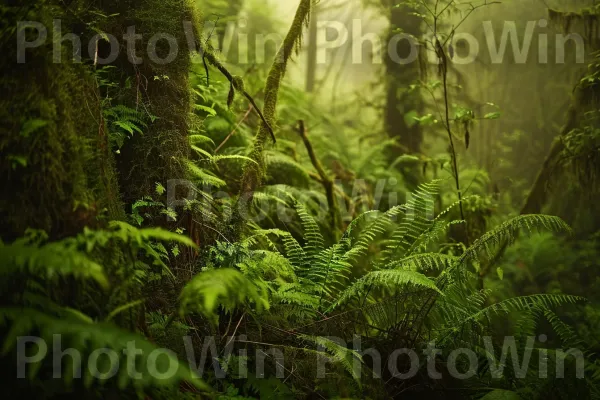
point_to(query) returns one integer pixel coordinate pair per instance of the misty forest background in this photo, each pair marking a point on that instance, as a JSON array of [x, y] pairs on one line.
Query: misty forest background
[[310, 211]]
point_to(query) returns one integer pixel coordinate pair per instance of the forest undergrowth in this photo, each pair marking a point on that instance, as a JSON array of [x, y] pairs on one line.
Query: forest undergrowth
[[202, 228]]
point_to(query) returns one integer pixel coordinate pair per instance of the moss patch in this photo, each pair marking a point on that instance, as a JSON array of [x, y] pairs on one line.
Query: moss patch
[[55, 170]]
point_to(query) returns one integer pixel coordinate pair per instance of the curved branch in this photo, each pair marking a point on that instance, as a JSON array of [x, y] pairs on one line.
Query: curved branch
[[236, 84], [325, 180]]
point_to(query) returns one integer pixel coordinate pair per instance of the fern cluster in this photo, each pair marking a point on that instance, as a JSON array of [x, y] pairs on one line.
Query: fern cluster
[[41, 268], [410, 291]]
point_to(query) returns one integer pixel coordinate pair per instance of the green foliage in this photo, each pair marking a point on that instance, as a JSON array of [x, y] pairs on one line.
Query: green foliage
[[337, 354], [88, 337], [395, 275], [501, 395], [387, 279], [37, 311], [224, 287], [507, 233], [49, 261], [401, 282], [123, 122]]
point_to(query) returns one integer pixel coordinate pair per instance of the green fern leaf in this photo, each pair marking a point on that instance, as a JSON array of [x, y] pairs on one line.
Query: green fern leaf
[[508, 232], [224, 287], [52, 261], [87, 337], [386, 279]]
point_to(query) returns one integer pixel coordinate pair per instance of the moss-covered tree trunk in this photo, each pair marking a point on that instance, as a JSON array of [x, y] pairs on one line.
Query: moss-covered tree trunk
[[157, 85], [586, 98], [56, 169], [57, 165]]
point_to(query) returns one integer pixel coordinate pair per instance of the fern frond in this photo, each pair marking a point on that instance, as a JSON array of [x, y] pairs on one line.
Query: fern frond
[[393, 279], [508, 231], [147, 240], [231, 157], [431, 236], [312, 234], [329, 270], [203, 176], [567, 335], [128, 233], [265, 197], [51, 261], [424, 262], [123, 122], [337, 354], [526, 303], [224, 287], [268, 266], [373, 230], [88, 337], [527, 323], [253, 240], [200, 139], [417, 222], [295, 172], [294, 251], [201, 152], [290, 296], [358, 220]]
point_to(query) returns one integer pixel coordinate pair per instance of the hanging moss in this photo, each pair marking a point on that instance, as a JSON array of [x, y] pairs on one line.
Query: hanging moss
[[585, 20]]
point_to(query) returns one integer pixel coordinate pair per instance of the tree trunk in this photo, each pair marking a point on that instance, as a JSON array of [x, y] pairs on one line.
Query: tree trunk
[[399, 76], [311, 67]]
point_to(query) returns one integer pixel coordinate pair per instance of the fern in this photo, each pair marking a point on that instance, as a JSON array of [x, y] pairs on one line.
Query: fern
[[330, 270], [144, 203], [374, 230], [280, 165], [214, 159], [197, 139], [336, 353], [418, 219], [567, 335], [87, 337], [430, 262], [203, 176], [295, 295], [223, 287], [312, 235], [508, 231], [295, 253], [50, 261], [130, 234], [524, 303], [263, 235], [231, 157], [123, 122], [147, 240], [387, 279]]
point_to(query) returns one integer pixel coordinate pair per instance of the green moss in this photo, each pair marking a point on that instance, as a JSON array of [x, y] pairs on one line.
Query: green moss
[[586, 19], [55, 169], [163, 89], [254, 172]]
